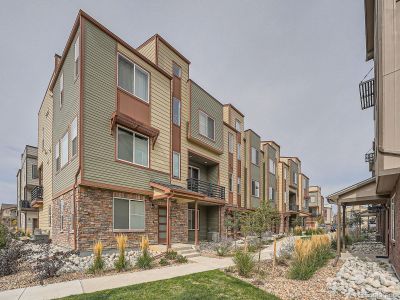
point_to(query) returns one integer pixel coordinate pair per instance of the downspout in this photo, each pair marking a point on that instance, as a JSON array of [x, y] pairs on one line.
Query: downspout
[[74, 207]]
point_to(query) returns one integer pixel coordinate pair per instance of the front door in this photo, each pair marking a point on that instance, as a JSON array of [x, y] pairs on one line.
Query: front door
[[35, 224], [194, 173], [162, 224]]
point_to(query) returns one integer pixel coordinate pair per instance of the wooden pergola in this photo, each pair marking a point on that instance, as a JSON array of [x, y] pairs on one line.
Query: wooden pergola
[[361, 193]]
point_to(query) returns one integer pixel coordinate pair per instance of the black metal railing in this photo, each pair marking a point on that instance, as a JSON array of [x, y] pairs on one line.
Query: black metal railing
[[206, 188], [370, 157], [37, 193], [367, 93], [293, 207], [25, 204]]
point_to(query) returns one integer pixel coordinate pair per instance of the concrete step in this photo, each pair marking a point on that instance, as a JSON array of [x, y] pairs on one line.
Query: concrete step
[[196, 254], [188, 251]]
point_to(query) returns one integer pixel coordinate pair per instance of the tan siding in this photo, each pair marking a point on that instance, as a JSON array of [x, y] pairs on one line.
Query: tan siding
[[63, 117], [149, 50], [45, 157]]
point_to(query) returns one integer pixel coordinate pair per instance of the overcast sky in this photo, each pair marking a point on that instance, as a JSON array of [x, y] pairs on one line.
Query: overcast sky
[[292, 67]]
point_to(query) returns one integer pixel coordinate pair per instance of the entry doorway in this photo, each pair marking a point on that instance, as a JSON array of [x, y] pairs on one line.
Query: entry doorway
[[162, 225]]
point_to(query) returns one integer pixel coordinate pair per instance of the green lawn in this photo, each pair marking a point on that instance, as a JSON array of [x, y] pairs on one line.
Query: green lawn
[[205, 285]]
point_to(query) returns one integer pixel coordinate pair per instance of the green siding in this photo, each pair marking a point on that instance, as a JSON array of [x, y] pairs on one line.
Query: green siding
[[202, 101], [99, 104], [255, 171], [63, 117]]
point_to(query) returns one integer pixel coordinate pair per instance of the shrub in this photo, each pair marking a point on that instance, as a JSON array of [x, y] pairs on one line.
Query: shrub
[[4, 236], [144, 261], [244, 262], [98, 263], [121, 263], [309, 255], [10, 257], [171, 255], [222, 250], [348, 239], [287, 248], [164, 262], [298, 230], [181, 259]]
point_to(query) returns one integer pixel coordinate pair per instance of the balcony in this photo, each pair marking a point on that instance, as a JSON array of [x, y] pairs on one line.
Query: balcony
[[25, 204], [37, 197], [293, 207], [367, 93], [206, 188]]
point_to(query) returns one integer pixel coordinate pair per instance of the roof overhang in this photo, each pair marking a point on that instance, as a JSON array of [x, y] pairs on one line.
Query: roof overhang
[[361, 193], [369, 9]]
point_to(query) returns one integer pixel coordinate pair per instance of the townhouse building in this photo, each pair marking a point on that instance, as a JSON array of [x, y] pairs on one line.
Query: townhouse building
[[27, 183], [380, 92], [129, 143], [327, 213]]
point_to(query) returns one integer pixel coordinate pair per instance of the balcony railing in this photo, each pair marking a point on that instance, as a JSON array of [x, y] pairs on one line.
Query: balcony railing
[[206, 188], [293, 207], [37, 193], [25, 204], [370, 157], [367, 93]]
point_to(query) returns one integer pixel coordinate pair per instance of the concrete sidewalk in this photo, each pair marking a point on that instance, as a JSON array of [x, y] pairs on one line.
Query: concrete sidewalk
[[75, 287]]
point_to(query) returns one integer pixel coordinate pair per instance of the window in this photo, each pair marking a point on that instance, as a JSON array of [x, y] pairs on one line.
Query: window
[[230, 142], [207, 125], [255, 158], [392, 219], [191, 219], [49, 215], [176, 111], [230, 182], [34, 172], [74, 137], [64, 150], [61, 89], [238, 151], [76, 57], [238, 125], [57, 156], [255, 188], [238, 185], [176, 164], [133, 79], [272, 166], [176, 70], [271, 193], [61, 215], [128, 214], [313, 199], [133, 147], [295, 177]]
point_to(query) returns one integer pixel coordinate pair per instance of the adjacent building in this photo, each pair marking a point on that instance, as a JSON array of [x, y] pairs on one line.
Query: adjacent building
[[129, 143], [8, 215]]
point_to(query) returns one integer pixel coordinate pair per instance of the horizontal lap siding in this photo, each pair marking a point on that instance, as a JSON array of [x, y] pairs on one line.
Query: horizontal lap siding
[[63, 117], [45, 158], [99, 104], [149, 50]]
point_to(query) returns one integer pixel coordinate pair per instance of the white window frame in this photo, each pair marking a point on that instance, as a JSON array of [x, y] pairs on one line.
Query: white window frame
[[65, 136], [61, 89], [179, 111], [76, 57], [256, 188], [392, 219], [133, 152], [174, 153], [238, 128], [239, 185], [272, 166], [239, 151], [129, 216], [231, 142], [192, 219], [271, 194], [295, 175], [255, 156], [200, 131], [134, 78], [74, 135]]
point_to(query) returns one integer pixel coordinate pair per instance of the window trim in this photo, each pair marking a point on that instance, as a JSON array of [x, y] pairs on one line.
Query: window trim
[[208, 116], [392, 219], [257, 163], [179, 165], [240, 125], [269, 166], [129, 215], [179, 112], [61, 152], [134, 78], [133, 153], [190, 210], [71, 139], [35, 167], [255, 189]]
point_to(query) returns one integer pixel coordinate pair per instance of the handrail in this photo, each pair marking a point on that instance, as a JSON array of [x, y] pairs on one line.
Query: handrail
[[206, 188]]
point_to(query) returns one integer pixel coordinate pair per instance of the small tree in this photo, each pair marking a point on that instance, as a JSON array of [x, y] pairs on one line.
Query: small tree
[[232, 224], [298, 222], [263, 219]]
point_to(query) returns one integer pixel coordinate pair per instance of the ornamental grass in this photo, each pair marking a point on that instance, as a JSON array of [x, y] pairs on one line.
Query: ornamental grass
[[98, 262], [121, 263], [309, 256]]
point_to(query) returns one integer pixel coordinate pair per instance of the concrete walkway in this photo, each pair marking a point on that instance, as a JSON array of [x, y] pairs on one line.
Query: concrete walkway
[[75, 287]]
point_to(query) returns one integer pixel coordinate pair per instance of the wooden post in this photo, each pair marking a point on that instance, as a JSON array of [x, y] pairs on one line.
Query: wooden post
[[344, 227], [274, 260], [168, 223], [338, 231], [196, 224]]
